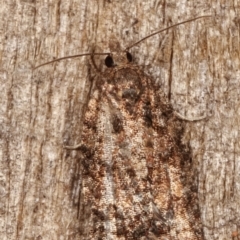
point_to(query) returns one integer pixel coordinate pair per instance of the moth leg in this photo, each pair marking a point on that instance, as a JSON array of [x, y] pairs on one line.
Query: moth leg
[[94, 64], [190, 119], [74, 147]]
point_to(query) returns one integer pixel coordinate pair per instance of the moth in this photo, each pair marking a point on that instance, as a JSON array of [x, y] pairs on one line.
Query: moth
[[136, 175]]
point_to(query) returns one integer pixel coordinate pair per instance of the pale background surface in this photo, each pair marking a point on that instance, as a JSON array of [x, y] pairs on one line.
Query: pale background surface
[[40, 109]]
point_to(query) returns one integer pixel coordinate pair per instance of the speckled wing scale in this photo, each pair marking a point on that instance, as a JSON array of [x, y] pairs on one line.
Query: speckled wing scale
[[137, 176]]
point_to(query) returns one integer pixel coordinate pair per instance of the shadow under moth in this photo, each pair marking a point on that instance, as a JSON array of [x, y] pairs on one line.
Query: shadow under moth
[[136, 176]]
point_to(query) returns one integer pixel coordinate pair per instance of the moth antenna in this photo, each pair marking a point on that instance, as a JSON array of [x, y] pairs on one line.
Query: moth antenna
[[72, 56], [164, 29]]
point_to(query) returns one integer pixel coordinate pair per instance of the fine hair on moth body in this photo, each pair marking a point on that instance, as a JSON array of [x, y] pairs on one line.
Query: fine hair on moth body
[[137, 179]]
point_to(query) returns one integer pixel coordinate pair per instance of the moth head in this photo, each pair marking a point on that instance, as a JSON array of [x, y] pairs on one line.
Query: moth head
[[122, 58]]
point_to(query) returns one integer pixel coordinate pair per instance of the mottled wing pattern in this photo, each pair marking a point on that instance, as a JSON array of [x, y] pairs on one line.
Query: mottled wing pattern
[[137, 181]]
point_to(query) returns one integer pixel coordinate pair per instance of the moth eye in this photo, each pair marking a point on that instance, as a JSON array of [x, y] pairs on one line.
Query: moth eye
[[109, 61], [129, 56]]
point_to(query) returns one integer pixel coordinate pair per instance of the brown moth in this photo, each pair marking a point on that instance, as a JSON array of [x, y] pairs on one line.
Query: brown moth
[[137, 181]]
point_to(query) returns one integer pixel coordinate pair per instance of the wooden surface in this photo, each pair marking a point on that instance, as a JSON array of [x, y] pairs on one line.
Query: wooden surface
[[41, 109]]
